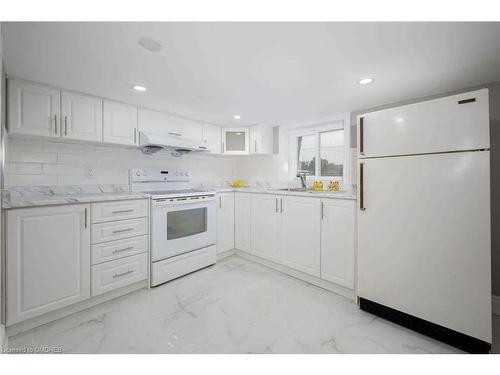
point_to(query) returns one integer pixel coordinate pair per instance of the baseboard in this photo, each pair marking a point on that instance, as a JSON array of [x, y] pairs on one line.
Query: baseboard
[[26, 325], [3, 337], [459, 340], [495, 305], [332, 287], [226, 254]]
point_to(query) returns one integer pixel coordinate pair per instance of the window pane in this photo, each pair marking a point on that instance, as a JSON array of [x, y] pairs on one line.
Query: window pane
[[306, 154], [332, 153], [184, 223]]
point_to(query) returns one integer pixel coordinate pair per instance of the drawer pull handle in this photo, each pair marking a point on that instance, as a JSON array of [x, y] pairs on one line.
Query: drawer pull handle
[[122, 274], [124, 249], [176, 134], [122, 230], [122, 211], [465, 101]]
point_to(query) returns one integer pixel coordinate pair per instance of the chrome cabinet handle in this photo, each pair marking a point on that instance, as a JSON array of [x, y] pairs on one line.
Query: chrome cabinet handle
[[85, 218], [281, 205], [322, 210], [122, 230], [361, 136], [361, 187], [223, 149], [124, 249], [255, 147], [276, 205], [122, 274], [121, 211], [220, 201], [55, 124], [65, 125], [176, 134], [465, 101], [135, 135]]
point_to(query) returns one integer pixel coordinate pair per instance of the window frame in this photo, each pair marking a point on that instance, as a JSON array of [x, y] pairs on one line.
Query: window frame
[[316, 130]]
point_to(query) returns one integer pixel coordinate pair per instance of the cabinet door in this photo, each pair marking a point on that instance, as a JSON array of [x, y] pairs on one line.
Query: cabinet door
[[33, 109], [212, 136], [165, 124], [48, 259], [265, 226], [300, 234], [235, 141], [242, 221], [225, 222], [338, 225], [81, 117], [458, 122], [119, 123], [261, 139]]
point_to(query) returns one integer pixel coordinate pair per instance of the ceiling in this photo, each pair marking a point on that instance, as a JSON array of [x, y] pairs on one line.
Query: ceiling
[[275, 73]]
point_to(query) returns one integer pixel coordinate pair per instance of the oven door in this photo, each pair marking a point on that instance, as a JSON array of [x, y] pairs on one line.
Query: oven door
[[182, 225]]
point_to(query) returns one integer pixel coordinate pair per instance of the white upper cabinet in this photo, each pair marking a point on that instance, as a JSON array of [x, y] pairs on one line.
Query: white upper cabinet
[[212, 136], [166, 124], [300, 234], [261, 139], [81, 117], [33, 109], [119, 123], [453, 123], [48, 259], [265, 226], [235, 141], [338, 238]]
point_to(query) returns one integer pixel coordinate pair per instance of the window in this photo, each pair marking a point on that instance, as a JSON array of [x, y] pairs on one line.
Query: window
[[326, 144]]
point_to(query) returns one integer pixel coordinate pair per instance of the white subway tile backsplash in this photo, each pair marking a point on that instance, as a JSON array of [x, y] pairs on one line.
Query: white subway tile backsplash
[[31, 157], [23, 168], [48, 162]]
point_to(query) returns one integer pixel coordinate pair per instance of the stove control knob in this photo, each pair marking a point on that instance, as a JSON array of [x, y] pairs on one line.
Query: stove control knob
[[138, 173]]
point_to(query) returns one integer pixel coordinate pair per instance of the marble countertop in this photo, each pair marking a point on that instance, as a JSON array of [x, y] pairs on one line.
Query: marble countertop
[[9, 202], [309, 193]]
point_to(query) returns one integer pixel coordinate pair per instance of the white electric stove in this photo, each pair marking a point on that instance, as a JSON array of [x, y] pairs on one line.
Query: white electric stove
[[183, 222]]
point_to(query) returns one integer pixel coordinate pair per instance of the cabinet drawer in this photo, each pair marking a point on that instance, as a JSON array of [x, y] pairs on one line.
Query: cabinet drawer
[[117, 230], [107, 251], [118, 273], [121, 210]]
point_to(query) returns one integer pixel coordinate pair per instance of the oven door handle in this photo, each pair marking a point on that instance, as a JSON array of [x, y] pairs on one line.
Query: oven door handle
[[188, 201]]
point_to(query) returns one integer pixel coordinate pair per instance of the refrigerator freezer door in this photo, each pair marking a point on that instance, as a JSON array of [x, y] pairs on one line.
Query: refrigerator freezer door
[[424, 238], [454, 123]]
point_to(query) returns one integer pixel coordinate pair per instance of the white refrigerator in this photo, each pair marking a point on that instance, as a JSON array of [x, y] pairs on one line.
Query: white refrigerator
[[424, 218]]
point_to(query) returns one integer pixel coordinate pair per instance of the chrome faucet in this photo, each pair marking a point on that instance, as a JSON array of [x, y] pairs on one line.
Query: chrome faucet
[[302, 175]]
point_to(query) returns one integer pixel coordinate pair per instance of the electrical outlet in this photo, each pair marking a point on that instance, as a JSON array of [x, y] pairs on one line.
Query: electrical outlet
[[90, 172]]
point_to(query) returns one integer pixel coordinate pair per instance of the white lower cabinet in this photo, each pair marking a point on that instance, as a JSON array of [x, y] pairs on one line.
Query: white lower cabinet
[[300, 234], [116, 274], [265, 226], [338, 236], [225, 222], [309, 234], [242, 219], [48, 259]]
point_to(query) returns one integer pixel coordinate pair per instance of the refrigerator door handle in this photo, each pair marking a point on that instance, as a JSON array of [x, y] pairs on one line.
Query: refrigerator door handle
[[361, 136], [361, 187]]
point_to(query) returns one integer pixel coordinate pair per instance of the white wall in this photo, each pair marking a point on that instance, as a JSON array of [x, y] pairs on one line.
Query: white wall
[[45, 162]]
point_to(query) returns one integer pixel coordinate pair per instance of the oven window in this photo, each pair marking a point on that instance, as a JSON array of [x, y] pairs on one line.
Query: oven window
[[184, 223]]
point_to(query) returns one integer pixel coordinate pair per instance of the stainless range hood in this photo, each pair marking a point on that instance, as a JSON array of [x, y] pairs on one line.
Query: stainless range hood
[[150, 143]]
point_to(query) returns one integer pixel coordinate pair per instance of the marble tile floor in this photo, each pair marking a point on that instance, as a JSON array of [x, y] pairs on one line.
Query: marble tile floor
[[236, 306]]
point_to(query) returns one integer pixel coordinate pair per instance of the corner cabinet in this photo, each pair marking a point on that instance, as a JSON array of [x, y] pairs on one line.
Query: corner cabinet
[[48, 259]]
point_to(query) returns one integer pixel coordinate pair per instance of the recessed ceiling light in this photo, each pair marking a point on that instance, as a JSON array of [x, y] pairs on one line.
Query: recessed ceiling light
[[365, 81], [139, 88], [236, 117], [150, 44]]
